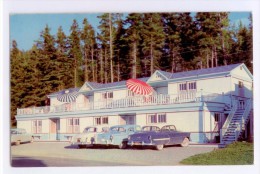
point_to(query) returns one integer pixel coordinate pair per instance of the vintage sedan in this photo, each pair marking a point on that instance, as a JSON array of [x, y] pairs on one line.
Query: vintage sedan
[[86, 138], [117, 135], [168, 135], [19, 136]]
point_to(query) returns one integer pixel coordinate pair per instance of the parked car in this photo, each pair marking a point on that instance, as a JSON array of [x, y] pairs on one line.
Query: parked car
[[168, 135], [19, 136], [117, 135], [86, 138]]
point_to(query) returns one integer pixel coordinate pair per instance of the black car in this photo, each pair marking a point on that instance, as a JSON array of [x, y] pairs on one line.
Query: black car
[[158, 138]]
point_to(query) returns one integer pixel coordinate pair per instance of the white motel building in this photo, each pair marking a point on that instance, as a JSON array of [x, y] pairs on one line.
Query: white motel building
[[214, 104]]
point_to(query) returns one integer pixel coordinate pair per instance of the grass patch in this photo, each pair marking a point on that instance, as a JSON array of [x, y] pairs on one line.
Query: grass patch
[[238, 153]]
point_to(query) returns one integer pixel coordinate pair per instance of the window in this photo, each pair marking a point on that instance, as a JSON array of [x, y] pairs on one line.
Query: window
[[183, 87], [107, 95], [100, 120], [130, 93], [217, 117], [156, 118], [73, 125], [192, 86], [152, 118], [161, 118], [240, 84], [37, 126], [188, 86], [104, 120]]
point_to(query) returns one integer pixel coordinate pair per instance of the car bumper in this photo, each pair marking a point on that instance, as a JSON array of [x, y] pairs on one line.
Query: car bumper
[[104, 142], [140, 143], [81, 143]]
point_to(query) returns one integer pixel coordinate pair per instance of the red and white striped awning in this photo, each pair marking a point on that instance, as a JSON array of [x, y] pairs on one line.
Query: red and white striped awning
[[139, 87]]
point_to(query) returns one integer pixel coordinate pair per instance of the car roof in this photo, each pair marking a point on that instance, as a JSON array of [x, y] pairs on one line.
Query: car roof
[[125, 126]]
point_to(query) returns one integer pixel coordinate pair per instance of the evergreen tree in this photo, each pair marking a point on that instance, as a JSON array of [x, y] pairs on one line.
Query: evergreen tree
[[64, 63], [75, 53], [153, 40], [133, 37], [49, 82]]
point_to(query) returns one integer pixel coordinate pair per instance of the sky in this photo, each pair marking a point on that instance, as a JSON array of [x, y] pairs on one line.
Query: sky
[[26, 28]]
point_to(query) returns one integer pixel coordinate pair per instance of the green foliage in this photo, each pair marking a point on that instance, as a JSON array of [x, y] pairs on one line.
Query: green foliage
[[130, 47], [238, 153]]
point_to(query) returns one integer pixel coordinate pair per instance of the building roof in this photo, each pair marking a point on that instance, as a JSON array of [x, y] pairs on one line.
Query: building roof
[[70, 90], [168, 75], [95, 85], [219, 69]]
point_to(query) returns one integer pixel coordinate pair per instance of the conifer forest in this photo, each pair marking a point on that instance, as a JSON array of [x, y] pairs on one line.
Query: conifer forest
[[126, 46]]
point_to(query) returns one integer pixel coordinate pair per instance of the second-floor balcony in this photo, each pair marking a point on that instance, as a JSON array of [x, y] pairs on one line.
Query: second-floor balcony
[[135, 101]]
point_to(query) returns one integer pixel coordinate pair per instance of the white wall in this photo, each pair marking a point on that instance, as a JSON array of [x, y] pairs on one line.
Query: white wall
[[186, 121], [214, 85], [119, 94], [140, 119], [162, 90], [27, 125], [45, 126], [63, 125], [247, 87]]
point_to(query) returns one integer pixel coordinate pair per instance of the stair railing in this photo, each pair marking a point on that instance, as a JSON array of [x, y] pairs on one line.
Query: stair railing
[[247, 109], [228, 120], [242, 123]]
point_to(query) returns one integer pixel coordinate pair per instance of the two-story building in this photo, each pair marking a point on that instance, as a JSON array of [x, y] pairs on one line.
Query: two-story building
[[210, 103]]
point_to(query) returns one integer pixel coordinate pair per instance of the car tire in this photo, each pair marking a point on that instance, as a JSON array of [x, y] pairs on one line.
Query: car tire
[[185, 142], [122, 145], [159, 147]]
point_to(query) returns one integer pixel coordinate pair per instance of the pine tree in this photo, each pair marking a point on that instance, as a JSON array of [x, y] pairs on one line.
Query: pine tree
[[64, 63], [133, 37], [153, 40], [49, 81], [75, 53]]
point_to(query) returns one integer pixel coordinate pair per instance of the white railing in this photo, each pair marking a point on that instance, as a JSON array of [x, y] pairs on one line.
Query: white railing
[[228, 120], [135, 101], [242, 123]]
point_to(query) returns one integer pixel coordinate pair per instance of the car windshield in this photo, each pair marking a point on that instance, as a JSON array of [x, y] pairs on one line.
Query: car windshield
[[150, 128], [90, 129], [168, 128], [117, 129]]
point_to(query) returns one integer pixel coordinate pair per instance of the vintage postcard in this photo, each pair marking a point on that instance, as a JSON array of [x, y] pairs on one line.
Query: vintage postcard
[[108, 89]]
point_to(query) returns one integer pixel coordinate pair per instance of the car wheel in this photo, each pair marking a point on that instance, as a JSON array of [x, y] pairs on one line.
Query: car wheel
[[159, 147], [122, 145], [17, 143], [185, 142]]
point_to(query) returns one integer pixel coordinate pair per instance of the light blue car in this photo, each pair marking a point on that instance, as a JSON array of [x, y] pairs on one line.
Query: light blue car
[[117, 135]]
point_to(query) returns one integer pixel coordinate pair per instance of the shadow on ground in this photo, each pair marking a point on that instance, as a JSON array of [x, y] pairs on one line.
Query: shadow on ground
[[26, 162]]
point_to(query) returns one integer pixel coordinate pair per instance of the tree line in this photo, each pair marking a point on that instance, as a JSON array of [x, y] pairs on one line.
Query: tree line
[[126, 46]]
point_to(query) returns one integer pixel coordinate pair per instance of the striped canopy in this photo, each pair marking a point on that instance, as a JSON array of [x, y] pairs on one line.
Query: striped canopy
[[68, 97], [139, 87]]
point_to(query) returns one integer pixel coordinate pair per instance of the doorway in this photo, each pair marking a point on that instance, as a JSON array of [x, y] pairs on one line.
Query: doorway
[[55, 129], [128, 119]]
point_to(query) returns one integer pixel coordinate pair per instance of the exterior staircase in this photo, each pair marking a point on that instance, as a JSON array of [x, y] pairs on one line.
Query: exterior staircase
[[235, 124]]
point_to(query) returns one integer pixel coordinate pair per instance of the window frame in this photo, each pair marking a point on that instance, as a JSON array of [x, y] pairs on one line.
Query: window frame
[[157, 118], [37, 126], [73, 125], [103, 120]]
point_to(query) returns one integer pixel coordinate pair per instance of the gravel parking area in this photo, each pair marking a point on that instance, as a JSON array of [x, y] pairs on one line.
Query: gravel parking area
[[47, 153]]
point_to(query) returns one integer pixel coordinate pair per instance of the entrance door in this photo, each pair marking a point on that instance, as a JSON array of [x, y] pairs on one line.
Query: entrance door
[[54, 129], [127, 120]]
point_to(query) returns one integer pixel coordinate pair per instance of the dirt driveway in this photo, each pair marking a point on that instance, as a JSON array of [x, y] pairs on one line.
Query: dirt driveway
[[67, 155]]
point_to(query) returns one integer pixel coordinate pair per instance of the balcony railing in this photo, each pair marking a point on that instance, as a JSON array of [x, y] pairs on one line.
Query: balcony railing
[[136, 101]]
